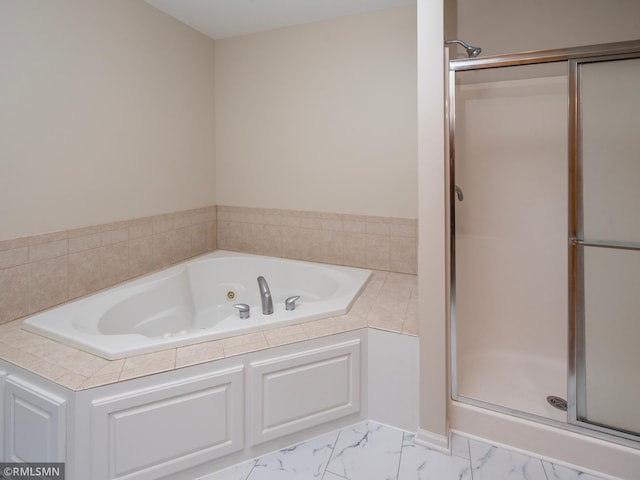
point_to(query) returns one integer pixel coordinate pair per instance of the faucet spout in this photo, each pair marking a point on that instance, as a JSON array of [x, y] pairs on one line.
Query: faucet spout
[[265, 296]]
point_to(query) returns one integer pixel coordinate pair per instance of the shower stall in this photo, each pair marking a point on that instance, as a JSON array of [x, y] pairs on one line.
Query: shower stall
[[544, 202]]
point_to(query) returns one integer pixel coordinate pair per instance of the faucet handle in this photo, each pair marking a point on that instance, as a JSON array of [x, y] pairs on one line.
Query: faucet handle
[[243, 310], [290, 303]]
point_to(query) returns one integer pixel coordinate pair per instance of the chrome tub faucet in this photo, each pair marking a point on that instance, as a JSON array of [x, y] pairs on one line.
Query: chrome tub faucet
[[265, 296]]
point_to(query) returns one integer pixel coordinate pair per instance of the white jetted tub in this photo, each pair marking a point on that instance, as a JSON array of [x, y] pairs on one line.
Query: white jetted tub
[[194, 302]]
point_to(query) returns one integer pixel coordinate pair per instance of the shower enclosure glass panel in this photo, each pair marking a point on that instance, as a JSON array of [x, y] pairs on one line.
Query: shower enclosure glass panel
[[610, 141], [609, 137], [511, 255], [611, 334]]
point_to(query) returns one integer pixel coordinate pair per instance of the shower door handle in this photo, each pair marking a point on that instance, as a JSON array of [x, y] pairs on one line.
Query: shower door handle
[[459, 193]]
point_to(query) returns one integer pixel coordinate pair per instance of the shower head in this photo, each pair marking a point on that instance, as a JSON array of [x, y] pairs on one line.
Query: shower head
[[472, 52]]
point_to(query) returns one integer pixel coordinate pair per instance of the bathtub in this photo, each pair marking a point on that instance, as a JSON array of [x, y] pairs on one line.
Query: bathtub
[[194, 302]]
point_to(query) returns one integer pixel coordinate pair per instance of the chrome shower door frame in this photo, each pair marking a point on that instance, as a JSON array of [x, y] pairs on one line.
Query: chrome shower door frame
[[573, 57]]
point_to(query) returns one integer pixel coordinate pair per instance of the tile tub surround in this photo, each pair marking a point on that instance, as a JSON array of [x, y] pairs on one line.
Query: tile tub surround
[[42, 271], [371, 451], [389, 302], [378, 243]]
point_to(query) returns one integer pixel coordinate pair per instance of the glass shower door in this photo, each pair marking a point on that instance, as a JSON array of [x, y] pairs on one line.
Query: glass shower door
[[510, 247], [607, 245]]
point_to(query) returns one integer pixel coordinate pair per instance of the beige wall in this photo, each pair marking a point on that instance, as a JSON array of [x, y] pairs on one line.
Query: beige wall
[[320, 117], [432, 230], [106, 113], [509, 26]]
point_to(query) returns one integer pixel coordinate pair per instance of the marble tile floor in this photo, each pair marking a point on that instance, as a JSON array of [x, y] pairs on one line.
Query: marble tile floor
[[370, 451]]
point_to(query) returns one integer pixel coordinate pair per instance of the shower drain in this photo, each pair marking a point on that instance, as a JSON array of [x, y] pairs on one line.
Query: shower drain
[[557, 402]]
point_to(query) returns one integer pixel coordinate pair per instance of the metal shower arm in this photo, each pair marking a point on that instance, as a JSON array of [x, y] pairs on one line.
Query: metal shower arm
[[472, 52]]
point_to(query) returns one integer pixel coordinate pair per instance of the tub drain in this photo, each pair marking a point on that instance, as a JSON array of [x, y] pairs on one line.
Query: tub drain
[[557, 402]]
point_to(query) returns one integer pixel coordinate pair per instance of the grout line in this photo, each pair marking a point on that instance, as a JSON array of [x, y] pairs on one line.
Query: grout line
[[400, 456], [333, 449], [255, 462]]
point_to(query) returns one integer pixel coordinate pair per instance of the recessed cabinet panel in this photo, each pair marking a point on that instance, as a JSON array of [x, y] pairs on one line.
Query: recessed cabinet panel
[[34, 423], [165, 420], [299, 391], [150, 433]]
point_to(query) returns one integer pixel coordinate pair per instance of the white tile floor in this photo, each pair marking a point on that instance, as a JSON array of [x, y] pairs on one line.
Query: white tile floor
[[370, 451]]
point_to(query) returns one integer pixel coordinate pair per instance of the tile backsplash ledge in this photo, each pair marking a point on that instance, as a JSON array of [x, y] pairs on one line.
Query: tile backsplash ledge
[[379, 243], [41, 271]]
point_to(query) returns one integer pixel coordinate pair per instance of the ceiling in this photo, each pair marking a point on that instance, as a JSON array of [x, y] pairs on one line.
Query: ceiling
[[230, 18]]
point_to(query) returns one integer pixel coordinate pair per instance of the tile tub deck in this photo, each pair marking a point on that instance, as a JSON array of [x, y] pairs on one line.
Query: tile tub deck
[[388, 302]]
